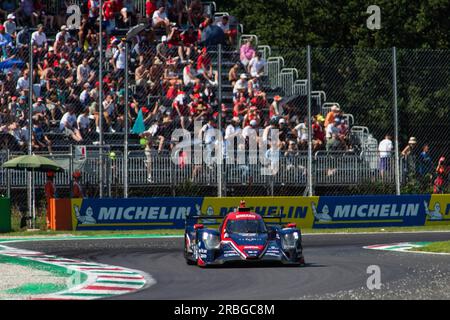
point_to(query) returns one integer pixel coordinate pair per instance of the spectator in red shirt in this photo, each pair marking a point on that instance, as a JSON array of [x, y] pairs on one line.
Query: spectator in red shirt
[[189, 39], [150, 8], [318, 133], [204, 67], [109, 15]]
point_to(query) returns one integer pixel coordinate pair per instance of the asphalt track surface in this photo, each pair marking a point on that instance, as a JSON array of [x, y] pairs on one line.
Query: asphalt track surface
[[336, 269]]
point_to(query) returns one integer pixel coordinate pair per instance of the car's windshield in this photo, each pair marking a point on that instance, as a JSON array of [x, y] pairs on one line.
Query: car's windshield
[[246, 226]]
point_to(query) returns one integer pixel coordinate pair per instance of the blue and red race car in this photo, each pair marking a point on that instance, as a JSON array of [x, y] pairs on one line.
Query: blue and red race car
[[243, 236]]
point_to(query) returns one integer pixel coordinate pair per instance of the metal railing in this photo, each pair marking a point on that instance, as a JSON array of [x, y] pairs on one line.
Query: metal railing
[[330, 168]]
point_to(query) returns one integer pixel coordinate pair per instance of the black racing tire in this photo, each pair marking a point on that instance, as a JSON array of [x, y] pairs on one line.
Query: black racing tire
[[190, 262]]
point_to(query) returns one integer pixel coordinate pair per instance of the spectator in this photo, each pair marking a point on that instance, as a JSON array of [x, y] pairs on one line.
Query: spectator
[[240, 86], [410, 157], [334, 143], [302, 133], [39, 138], [8, 7], [26, 12], [232, 132], [77, 190], [189, 41], [233, 74], [38, 38], [23, 83], [331, 115], [276, 109], [150, 8], [442, 172], [256, 65], [230, 34], [332, 129], [385, 149], [160, 19], [195, 12], [247, 53], [5, 38], [10, 25], [425, 162], [84, 73], [211, 35], [68, 125]]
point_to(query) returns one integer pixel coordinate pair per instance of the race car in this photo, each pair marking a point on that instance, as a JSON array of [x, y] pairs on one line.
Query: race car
[[243, 236]]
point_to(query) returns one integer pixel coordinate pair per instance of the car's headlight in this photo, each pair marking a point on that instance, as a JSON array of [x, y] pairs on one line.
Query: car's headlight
[[289, 240], [211, 241]]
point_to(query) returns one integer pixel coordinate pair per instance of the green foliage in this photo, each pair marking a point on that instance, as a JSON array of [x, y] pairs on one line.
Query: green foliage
[[342, 23]]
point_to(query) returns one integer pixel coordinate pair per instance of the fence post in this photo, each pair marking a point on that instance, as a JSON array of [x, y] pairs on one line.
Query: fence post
[[100, 100], [8, 177], [219, 156], [125, 152], [394, 85], [30, 128], [309, 85]]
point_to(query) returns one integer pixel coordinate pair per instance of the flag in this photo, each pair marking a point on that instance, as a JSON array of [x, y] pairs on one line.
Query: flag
[[139, 126]]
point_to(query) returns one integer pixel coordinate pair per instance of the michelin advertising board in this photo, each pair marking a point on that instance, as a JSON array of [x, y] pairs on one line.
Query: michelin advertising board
[[306, 212]]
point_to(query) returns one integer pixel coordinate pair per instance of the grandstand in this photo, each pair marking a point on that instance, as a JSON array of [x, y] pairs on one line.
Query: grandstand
[[352, 163]]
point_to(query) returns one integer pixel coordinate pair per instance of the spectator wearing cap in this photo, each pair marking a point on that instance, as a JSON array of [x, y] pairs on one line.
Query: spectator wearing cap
[[38, 38], [410, 155], [10, 25], [276, 109], [62, 36], [318, 133], [204, 67], [163, 50], [247, 52], [385, 149], [241, 86], [334, 112], [50, 193], [5, 38], [160, 19]]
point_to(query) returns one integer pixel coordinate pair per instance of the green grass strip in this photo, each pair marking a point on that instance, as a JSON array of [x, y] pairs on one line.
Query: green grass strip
[[437, 247]]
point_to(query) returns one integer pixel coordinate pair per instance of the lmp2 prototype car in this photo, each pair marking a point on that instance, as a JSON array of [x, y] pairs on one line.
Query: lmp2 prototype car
[[243, 236]]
